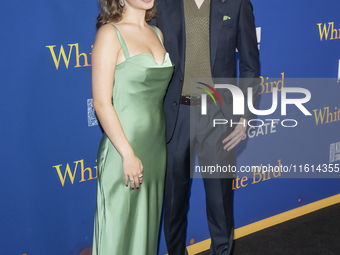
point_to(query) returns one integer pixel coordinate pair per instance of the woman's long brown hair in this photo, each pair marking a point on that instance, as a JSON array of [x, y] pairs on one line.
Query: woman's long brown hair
[[112, 11]]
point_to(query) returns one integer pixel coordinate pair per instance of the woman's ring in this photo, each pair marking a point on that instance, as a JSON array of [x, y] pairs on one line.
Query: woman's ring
[[131, 180], [140, 176]]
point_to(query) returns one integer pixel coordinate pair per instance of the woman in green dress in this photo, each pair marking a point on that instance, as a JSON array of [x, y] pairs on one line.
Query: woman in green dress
[[130, 74]]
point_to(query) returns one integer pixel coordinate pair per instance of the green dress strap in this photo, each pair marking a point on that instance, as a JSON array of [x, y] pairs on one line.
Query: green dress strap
[[159, 36], [122, 43]]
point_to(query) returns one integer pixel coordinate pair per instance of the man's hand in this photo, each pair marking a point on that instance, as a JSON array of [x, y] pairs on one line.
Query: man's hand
[[236, 136]]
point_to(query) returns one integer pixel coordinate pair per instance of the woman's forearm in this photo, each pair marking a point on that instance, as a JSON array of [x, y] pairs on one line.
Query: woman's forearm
[[110, 122]]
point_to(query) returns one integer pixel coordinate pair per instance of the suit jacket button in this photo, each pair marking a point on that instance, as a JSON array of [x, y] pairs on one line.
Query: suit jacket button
[[181, 79], [222, 1], [175, 103]]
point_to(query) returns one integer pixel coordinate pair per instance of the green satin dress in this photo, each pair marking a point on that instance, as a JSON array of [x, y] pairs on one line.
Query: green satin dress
[[127, 221]]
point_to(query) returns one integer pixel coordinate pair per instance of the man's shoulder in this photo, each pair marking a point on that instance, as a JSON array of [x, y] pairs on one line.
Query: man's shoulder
[[161, 5], [238, 2]]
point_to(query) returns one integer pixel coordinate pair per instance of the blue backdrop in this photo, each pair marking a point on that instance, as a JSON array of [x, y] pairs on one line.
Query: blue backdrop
[[49, 135]]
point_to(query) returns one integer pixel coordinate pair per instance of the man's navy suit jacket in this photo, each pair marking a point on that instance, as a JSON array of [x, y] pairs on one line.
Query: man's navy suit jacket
[[226, 35]]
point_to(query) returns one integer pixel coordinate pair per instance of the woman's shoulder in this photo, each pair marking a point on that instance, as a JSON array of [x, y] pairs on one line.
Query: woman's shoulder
[[107, 30], [107, 39], [107, 33]]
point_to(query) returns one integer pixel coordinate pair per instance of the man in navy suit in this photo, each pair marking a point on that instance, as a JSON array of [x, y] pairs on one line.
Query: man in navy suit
[[201, 37]]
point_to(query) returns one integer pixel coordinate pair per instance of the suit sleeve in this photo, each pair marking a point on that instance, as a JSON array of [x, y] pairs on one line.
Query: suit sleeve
[[153, 22], [249, 55]]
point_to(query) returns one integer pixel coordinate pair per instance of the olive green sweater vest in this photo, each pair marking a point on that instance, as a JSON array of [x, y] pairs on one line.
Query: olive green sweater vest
[[197, 53]]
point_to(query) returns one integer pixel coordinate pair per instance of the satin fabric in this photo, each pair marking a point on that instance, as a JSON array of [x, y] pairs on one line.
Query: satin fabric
[[127, 221]]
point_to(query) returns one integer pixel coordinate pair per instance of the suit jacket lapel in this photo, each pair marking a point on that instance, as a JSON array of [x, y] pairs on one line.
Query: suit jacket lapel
[[178, 26], [216, 20]]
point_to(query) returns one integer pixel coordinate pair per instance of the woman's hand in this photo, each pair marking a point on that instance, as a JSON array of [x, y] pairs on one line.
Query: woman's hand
[[133, 171]]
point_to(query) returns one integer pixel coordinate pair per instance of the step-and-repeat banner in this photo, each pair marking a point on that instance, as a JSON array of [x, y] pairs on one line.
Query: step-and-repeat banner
[[50, 135]]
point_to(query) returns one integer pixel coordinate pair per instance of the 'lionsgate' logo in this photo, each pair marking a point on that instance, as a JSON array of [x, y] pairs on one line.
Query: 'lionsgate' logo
[[334, 152], [91, 114], [238, 104]]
